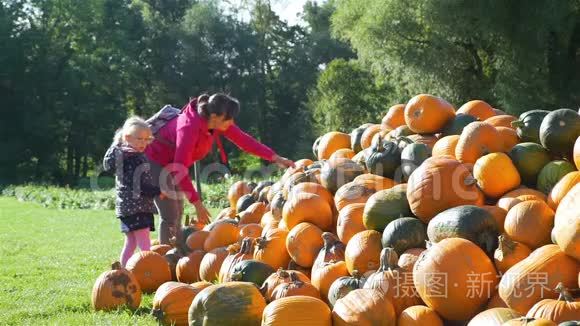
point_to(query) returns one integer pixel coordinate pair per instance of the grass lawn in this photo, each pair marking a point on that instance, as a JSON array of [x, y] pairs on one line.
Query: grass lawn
[[49, 261]]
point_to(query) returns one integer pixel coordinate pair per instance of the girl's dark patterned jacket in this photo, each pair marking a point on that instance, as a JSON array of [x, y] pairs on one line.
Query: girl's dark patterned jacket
[[133, 182]]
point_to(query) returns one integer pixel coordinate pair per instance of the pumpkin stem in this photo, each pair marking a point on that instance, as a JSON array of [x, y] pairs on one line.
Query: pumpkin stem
[[187, 219], [356, 274], [116, 266], [428, 244], [157, 313], [565, 294], [233, 248], [236, 276], [469, 181], [246, 245], [282, 273], [506, 244], [264, 289], [329, 239], [517, 123], [295, 280], [389, 259]]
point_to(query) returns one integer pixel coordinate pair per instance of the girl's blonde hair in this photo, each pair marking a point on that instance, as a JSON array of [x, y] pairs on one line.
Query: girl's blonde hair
[[129, 127]]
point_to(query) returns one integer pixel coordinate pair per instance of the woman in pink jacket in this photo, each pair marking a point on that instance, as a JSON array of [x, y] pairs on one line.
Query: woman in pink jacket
[[187, 139]]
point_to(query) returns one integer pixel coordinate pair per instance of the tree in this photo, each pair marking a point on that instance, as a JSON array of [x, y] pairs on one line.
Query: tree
[[462, 50], [348, 95]]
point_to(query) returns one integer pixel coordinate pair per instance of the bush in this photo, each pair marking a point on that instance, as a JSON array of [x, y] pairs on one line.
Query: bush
[[62, 197]]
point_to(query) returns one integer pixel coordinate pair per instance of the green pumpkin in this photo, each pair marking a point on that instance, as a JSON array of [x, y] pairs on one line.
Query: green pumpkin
[[468, 222], [384, 159], [455, 126], [559, 130], [529, 159], [412, 157], [355, 139], [244, 202], [401, 131], [570, 323], [405, 233], [252, 271], [336, 173], [528, 125], [342, 286], [552, 173], [385, 206]]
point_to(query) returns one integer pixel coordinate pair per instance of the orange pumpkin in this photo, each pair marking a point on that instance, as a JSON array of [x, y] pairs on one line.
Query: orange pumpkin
[[312, 188], [527, 321], [150, 269], [116, 288], [222, 234], [303, 163], [303, 243], [419, 316], [342, 153], [268, 219], [477, 108], [209, 268], [530, 222], [280, 277], [395, 117], [187, 269], [562, 188], [271, 248], [323, 277], [439, 184], [333, 250], [566, 230], [297, 310], [253, 214], [577, 153], [252, 230], [563, 309], [228, 304], [368, 135], [503, 120], [523, 191], [445, 146], [462, 262], [409, 257], [363, 252], [225, 213], [307, 207], [509, 138], [295, 287], [496, 174], [380, 182], [171, 303], [499, 215], [476, 140], [237, 253], [394, 282], [428, 114], [331, 142], [350, 222], [496, 302], [237, 190], [353, 193], [494, 316], [161, 249], [196, 240], [509, 253], [535, 277], [364, 307]]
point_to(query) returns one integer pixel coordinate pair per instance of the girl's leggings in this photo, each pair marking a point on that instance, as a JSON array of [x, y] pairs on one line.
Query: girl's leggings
[[132, 240]]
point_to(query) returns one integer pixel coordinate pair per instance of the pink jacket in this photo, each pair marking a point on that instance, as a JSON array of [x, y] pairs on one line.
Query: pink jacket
[[193, 141]]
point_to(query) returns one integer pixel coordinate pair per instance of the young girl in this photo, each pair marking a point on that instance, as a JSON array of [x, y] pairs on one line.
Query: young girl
[[133, 184]]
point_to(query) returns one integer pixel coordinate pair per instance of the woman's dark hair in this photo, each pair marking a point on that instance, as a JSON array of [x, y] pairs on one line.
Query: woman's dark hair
[[219, 104]]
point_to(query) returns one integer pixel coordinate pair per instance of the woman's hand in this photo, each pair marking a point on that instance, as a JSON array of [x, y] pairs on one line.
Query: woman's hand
[[283, 162], [202, 213]]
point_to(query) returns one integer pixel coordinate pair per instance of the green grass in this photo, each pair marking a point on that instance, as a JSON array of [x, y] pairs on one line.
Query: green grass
[[50, 259]]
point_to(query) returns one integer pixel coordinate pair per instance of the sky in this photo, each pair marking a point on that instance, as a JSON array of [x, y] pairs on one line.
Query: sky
[[287, 10]]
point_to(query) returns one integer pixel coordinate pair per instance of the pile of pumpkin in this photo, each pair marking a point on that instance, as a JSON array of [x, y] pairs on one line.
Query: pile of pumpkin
[[432, 217]]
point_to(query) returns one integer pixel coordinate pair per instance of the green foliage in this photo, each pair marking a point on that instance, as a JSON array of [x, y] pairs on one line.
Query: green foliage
[[463, 50], [348, 95], [64, 198]]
